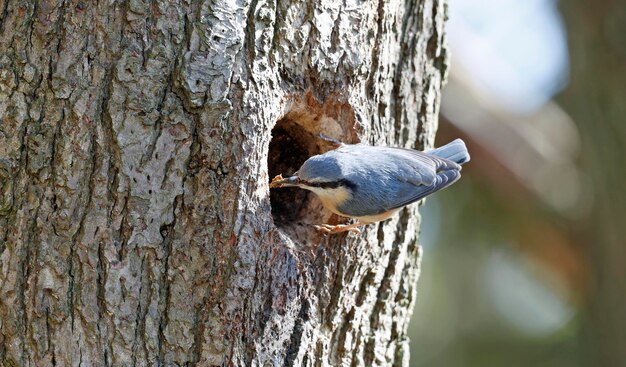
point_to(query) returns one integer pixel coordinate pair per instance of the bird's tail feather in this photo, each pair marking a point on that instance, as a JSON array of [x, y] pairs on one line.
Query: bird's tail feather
[[455, 151]]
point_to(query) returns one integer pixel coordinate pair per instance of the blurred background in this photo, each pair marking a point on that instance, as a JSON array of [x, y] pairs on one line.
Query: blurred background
[[525, 258]]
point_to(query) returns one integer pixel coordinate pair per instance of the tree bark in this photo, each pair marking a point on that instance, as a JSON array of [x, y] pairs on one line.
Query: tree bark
[[137, 140]]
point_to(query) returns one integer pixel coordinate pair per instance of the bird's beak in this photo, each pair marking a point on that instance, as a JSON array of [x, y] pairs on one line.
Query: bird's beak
[[279, 181]]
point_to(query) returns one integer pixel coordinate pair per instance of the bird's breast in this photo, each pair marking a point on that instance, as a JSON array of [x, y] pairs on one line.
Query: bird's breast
[[332, 198]]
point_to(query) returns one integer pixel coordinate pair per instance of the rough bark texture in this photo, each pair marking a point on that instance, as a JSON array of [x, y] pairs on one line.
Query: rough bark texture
[[136, 225], [595, 99]]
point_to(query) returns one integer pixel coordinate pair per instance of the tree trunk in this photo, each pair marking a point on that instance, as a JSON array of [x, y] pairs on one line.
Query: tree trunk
[[595, 99], [137, 140]]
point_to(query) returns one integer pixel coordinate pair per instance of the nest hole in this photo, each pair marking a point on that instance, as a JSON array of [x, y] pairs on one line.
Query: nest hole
[[295, 138], [290, 147]]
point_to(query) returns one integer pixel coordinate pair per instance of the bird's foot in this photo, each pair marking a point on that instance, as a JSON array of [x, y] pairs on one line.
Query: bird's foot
[[332, 229]]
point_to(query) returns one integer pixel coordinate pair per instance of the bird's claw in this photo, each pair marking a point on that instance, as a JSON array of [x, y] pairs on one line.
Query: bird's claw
[[332, 229]]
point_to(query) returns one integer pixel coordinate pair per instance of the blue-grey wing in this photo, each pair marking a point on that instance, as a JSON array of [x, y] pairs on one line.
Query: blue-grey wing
[[389, 178], [442, 180], [424, 172]]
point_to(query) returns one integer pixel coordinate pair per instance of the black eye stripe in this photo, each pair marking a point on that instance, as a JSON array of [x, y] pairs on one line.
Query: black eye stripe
[[331, 185], [326, 185]]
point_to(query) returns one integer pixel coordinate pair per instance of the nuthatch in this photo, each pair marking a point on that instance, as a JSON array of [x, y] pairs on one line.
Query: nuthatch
[[371, 183]]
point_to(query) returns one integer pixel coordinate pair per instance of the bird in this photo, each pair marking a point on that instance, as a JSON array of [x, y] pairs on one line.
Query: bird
[[372, 183]]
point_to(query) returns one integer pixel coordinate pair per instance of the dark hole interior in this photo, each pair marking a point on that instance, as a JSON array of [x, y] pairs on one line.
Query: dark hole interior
[[291, 146]]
